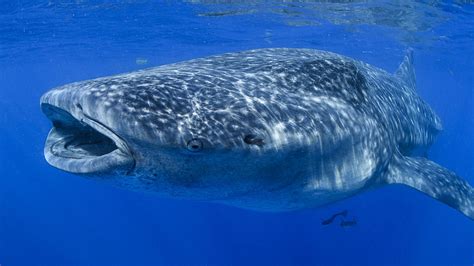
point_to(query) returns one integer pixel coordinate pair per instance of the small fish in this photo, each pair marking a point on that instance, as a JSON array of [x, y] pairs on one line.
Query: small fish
[[348, 223], [331, 219], [141, 61]]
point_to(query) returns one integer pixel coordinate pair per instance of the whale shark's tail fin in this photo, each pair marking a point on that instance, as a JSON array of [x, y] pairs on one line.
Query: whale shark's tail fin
[[406, 71], [435, 181]]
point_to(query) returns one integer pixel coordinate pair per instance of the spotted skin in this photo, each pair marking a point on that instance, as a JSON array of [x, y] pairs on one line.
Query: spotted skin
[[267, 129]]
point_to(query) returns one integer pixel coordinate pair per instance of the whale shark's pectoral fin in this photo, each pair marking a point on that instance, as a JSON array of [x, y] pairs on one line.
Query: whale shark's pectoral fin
[[435, 181], [406, 71]]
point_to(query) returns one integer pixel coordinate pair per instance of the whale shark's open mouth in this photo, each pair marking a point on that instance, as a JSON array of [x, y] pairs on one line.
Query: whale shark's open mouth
[[84, 146]]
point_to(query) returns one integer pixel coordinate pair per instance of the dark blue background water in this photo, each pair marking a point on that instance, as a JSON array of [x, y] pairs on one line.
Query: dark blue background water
[[48, 217]]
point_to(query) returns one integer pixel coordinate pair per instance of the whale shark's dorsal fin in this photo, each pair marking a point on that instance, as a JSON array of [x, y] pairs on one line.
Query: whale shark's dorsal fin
[[405, 71], [433, 180]]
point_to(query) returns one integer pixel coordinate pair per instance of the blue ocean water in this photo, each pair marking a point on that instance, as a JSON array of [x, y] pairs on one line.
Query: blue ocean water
[[48, 217]]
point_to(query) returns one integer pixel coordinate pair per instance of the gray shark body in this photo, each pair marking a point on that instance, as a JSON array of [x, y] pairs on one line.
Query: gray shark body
[[267, 129]]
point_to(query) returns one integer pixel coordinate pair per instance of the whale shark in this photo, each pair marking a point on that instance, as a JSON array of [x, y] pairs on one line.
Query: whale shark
[[274, 129]]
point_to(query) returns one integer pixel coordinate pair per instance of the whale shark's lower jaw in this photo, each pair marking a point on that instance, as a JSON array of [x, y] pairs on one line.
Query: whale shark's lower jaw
[[84, 145]]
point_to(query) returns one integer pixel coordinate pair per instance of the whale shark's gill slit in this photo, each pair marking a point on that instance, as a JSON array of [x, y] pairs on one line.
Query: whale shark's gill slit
[[84, 146]]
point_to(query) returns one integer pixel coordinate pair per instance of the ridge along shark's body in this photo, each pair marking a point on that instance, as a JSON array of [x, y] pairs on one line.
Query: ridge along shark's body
[[267, 129]]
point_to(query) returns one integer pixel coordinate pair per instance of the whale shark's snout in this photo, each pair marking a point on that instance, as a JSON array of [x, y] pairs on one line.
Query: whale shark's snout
[[81, 144]]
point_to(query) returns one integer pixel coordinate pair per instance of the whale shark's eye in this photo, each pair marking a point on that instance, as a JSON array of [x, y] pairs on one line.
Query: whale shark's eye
[[194, 145], [253, 140]]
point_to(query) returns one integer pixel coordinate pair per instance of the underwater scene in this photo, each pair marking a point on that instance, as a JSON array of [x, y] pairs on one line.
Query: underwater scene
[[227, 132]]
